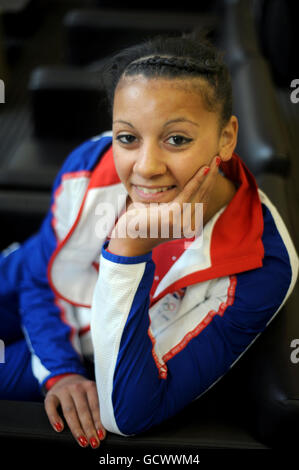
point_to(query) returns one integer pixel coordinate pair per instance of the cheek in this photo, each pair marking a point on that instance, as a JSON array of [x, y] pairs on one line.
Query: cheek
[[204, 152], [122, 166], [187, 166], [182, 172], [209, 144]]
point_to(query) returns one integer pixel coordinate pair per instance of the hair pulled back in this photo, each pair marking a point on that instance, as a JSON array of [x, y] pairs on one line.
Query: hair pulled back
[[190, 55]]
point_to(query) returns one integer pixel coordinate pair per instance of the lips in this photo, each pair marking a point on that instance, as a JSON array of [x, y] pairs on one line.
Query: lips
[[153, 193], [153, 190]]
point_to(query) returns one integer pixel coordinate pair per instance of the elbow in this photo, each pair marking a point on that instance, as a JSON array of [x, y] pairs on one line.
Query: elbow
[[135, 413]]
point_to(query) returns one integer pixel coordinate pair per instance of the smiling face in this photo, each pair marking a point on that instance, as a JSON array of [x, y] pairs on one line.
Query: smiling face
[[162, 134]]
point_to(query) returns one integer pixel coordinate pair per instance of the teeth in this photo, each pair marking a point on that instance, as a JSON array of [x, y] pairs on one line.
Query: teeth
[[153, 191]]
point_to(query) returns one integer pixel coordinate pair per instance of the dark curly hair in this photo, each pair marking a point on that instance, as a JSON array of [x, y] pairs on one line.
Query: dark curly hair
[[189, 55]]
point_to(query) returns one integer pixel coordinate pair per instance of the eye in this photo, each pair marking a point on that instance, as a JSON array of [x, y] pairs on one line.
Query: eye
[[126, 138], [178, 140]]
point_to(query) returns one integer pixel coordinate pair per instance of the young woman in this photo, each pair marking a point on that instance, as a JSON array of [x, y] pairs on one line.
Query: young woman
[[162, 319]]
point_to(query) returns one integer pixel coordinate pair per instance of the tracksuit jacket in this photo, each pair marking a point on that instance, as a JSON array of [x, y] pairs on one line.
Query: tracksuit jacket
[[162, 327]]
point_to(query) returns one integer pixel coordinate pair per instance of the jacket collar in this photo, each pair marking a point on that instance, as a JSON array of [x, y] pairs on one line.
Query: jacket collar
[[232, 240]]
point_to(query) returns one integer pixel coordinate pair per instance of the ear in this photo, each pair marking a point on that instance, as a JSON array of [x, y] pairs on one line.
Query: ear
[[228, 139]]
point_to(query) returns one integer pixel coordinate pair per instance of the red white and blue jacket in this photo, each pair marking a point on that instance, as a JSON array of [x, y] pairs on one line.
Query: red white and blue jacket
[[162, 327]]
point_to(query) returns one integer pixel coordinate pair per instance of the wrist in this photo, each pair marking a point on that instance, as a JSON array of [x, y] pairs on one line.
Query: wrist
[[53, 380], [129, 247]]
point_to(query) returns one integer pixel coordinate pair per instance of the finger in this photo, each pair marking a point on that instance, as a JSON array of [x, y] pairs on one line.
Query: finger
[[85, 416], [208, 182], [193, 185], [94, 406], [51, 405], [214, 165], [203, 190], [72, 419], [210, 171]]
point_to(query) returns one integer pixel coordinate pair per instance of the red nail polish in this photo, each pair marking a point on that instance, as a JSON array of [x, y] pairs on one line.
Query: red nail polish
[[218, 161], [58, 426], [100, 434], [83, 441], [93, 442], [206, 171]]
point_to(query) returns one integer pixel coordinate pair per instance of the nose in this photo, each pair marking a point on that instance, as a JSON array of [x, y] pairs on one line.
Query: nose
[[149, 161]]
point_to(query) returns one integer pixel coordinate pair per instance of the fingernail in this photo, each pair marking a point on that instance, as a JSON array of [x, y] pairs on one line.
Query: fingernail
[[58, 426], [100, 434], [83, 441], [206, 170], [93, 442], [218, 161]]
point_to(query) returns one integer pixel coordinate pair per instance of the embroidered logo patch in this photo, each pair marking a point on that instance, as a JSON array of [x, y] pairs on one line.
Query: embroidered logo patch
[[164, 312]]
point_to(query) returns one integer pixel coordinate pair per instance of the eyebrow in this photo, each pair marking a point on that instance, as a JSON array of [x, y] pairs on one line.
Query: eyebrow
[[171, 121], [180, 119], [123, 122]]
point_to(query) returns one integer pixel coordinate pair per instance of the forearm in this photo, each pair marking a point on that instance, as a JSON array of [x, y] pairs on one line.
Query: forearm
[[54, 343], [49, 323], [144, 379], [136, 389], [123, 357]]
